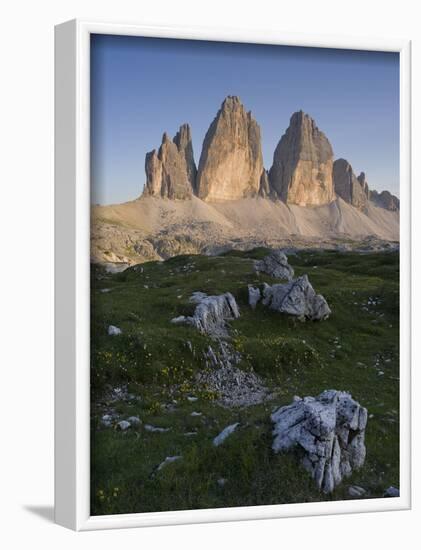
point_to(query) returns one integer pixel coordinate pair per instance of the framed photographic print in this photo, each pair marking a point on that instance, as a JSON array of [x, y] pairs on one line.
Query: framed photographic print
[[232, 275]]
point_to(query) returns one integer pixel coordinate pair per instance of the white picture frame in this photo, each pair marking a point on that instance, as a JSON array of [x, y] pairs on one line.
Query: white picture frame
[[72, 281]]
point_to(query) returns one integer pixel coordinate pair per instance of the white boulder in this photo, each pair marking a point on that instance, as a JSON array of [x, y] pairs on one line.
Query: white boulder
[[329, 429], [276, 265], [296, 298]]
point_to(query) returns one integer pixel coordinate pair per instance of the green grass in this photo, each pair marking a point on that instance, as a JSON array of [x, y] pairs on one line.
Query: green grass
[[152, 357]]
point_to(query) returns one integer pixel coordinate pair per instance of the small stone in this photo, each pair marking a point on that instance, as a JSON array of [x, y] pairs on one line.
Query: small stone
[[391, 492], [107, 420], [150, 428], [114, 331], [134, 420], [191, 398], [194, 413], [221, 481], [254, 296], [355, 491], [123, 425], [168, 460], [220, 438]]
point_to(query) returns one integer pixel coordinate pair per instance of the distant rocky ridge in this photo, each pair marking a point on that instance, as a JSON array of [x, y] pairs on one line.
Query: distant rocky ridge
[[231, 165]]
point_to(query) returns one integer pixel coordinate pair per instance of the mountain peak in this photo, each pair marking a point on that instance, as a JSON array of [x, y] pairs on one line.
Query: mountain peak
[[301, 172], [231, 163]]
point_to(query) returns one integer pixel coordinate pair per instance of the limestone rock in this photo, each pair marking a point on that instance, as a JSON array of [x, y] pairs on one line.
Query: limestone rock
[[264, 189], [348, 186], [231, 163], [392, 492], [301, 172], [168, 460], [220, 438], [114, 331], [171, 172], [254, 296], [296, 298], [211, 313], [385, 199], [276, 265], [329, 430]]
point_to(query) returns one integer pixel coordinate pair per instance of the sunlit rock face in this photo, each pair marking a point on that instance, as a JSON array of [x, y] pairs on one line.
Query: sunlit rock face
[[231, 163], [301, 172]]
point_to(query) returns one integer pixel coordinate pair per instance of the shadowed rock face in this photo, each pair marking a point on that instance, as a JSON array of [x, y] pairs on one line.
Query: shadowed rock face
[[364, 184], [231, 163], [171, 172], [302, 164], [183, 140], [347, 186], [264, 190], [385, 200]]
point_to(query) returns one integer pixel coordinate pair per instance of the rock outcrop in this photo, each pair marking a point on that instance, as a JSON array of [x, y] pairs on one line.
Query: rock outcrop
[[347, 186], [171, 172], [302, 164], [276, 265], [385, 199], [231, 162], [329, 430], [296, 298], [264, 190], [183, 140], [211, 313], [364, 184]]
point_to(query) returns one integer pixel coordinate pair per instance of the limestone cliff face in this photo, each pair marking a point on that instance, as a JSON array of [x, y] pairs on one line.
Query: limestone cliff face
[[171, 172], [302, 164], [347, 186], [385, 199], [231, 163]]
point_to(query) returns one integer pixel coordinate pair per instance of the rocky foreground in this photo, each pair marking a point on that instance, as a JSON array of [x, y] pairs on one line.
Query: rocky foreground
[[227, 405]]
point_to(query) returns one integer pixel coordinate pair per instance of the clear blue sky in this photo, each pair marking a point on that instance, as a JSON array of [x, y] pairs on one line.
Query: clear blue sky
[[141, 87]]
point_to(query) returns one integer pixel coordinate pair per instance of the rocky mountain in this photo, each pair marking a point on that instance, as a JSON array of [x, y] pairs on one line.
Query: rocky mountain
[[231, 201], [347, 186], [171, 172], [301, 172], [231, 162], [385, 199]]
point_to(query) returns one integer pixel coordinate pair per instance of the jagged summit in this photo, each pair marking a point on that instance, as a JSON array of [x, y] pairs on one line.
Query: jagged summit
[[301, 172], [231, 162], [231, 165], [171, 172]]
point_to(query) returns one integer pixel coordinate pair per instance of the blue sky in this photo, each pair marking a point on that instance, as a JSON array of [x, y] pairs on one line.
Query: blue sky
[[141, 87]]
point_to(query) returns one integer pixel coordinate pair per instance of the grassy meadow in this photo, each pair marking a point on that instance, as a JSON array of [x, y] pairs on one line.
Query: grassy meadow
[[154, 363]]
